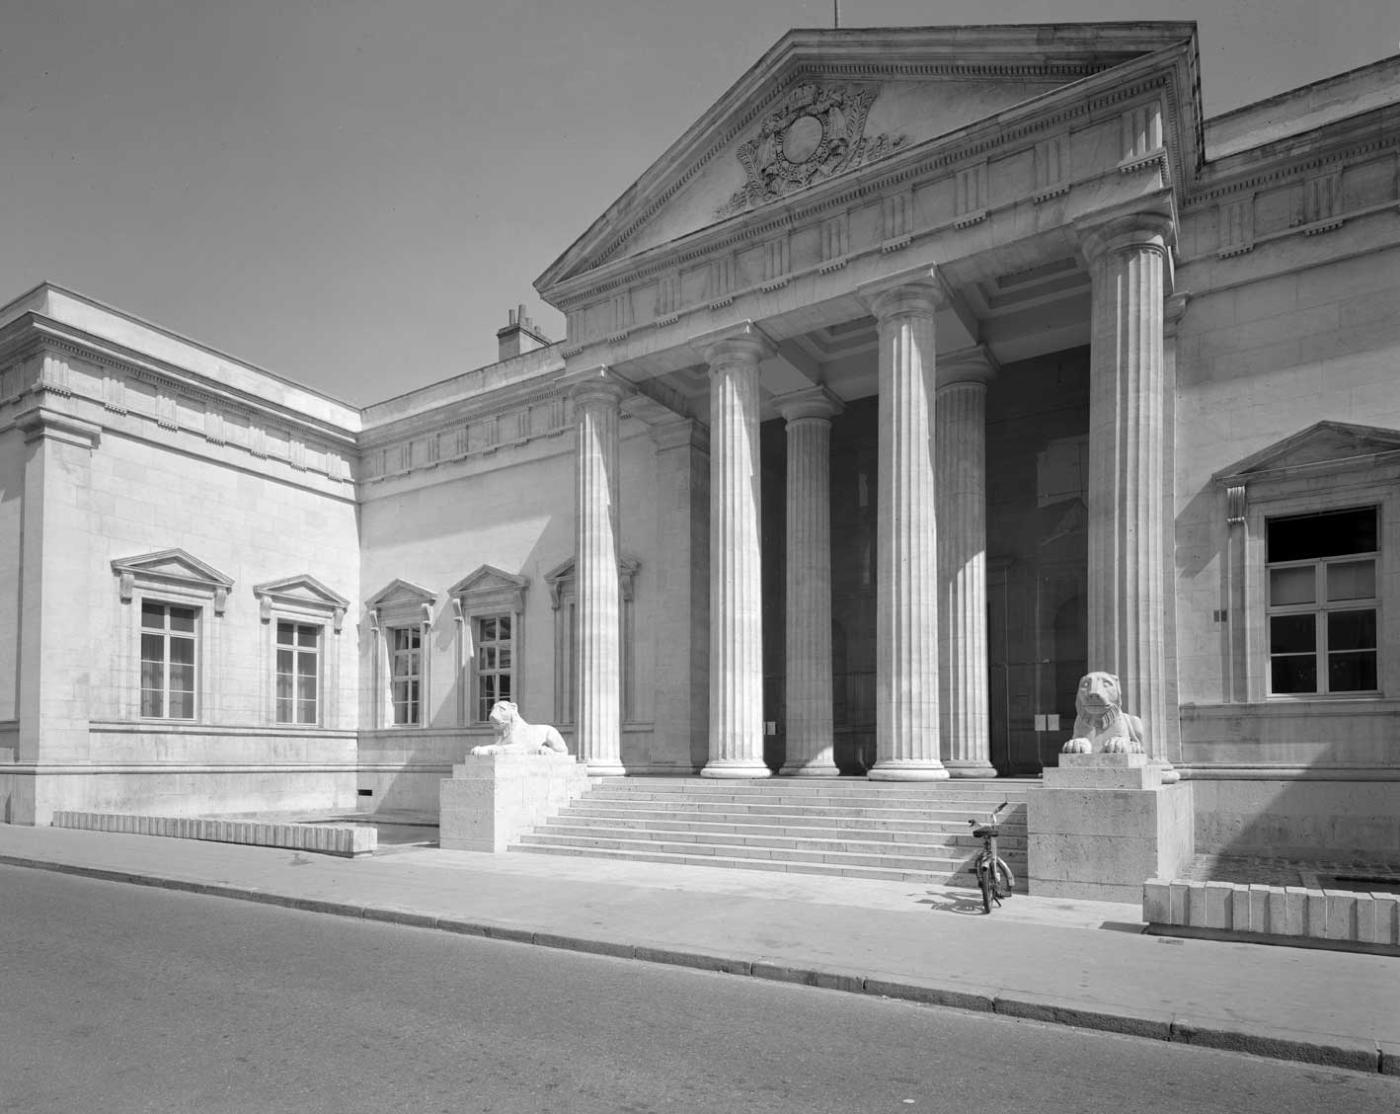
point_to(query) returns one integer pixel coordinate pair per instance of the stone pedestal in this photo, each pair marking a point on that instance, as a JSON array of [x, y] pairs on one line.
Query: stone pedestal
[[491, 800], [1103, 824]]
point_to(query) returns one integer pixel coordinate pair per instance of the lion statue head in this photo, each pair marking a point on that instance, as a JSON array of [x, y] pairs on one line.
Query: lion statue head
[[1100, 724]]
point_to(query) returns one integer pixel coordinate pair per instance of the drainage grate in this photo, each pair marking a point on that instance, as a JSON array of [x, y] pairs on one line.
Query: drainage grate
[[1359, 883]]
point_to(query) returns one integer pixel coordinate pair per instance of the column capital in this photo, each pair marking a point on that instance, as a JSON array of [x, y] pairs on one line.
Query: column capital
[[1143, 231], [810, 402], [744, 343], [1173, 310], [923, 292], [970, 365], [597, 384]]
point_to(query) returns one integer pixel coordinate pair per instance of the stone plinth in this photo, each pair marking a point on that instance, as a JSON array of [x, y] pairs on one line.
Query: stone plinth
[[491, 800], [1103, 824]]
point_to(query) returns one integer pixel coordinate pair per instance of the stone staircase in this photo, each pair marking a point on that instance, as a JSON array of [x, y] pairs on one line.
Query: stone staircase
[[903, 831]]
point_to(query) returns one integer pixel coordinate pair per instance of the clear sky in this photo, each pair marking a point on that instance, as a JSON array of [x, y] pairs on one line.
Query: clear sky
[[352, 193]]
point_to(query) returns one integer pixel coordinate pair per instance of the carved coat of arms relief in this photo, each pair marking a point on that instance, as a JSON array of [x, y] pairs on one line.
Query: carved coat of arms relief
[[816, 132]]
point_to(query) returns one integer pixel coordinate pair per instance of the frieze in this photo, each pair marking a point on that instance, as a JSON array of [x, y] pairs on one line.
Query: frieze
[[816, 133]]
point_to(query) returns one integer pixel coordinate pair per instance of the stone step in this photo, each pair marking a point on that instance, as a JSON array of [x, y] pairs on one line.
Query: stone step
[[811, 852], [695, 828], [777, 838], [795, 794], [1013, 816], [957, 875]]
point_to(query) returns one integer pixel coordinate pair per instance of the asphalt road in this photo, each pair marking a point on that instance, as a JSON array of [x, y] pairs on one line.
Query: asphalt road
[[118, 998]]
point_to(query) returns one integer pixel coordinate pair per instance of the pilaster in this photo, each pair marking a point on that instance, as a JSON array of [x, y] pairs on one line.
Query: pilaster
[[906, 668], [810, 739], [599, 722], [736, 589], [961, 448]]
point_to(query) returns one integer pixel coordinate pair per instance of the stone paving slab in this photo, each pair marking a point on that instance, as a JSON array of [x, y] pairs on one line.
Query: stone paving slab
[[1066, 962]]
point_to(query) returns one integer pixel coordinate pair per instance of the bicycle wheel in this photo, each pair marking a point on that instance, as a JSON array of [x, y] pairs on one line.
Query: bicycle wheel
[[1004, 881], [984, 882]]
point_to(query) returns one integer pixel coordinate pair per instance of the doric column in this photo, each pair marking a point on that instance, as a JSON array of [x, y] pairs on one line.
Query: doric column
[[1129, 264], [736, 588], [810, 742], [599, 723], [906, 618], [960, 441]]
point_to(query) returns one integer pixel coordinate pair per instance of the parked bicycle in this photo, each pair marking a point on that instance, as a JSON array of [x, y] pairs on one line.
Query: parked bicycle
[[994, 877]]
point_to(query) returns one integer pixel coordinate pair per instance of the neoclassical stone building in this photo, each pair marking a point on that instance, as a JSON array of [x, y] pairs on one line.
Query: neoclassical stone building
[[927, 370]]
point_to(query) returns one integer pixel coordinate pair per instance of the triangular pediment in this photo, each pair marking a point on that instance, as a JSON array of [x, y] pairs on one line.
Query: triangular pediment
[[300, 589], [1323, 444], [174, 566], [401, 593], [824, 105]]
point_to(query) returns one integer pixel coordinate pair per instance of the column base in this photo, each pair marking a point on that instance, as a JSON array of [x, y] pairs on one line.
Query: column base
[[606, 767], [888, 770], [811, 769], [1170, 774], [736, 770], [970, 769]]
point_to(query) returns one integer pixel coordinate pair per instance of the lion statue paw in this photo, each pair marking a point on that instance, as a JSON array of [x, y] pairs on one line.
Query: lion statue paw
[[1077, 746]]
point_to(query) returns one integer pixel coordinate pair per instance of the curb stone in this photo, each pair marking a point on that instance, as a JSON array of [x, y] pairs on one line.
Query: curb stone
[[1366, 1056]]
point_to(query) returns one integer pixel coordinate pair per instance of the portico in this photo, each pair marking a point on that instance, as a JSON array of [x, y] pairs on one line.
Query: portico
[[815, 241]]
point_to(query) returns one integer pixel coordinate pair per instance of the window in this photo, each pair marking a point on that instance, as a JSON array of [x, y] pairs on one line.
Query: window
[[406, 671], [298, 672], [494, 663], [1322, 602], [168, 660]]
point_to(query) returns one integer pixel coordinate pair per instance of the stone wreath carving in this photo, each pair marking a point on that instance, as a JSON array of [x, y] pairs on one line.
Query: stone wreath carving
[[515, 736], [815, 133], [1100, 724]]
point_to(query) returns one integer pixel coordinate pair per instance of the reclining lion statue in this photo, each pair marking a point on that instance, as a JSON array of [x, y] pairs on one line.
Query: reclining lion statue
[[515, 736], [1100, 724]]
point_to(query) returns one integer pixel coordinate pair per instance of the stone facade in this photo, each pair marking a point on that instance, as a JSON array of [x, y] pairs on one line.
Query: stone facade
[[927, 371]]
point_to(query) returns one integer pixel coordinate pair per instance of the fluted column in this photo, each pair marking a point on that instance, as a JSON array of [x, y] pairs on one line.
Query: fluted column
[[961, 449], [1128, 261], [599, 723], [906, 664], [810, 739], [736, 587]]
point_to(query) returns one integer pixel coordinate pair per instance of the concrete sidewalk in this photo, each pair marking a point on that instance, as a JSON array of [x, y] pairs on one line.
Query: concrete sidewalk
[[1071, 962]]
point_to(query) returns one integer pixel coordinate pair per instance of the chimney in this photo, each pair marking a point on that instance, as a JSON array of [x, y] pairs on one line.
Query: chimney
[[519, 335]]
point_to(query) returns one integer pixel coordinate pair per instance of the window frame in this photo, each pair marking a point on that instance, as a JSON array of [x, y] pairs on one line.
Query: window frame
[[302, 600], [298, 650], [563, 595], [401, 604], [172, 578], [1252, 496], [481, 645], [167, 634], [487, 593], [1319, 608]]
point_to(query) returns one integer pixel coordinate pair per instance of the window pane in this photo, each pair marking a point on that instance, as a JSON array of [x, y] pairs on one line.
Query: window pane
[[284, 661], [1351, 630], [1296, 585], [488, 657], [1291, 634], [1351, 580], [306, 687], [152, 702], [505, 658], [1352, 672], [284, 700], [1306, 536], [182, 619], [153, 615], [284, 634], [503, 686], [406, 638], [402, 663], [181, 651], [488, 690], [152, 649], [488, 630], [306, 711], [1294, 674], [306, 636], [503, 625], [306, 665], [182, 705]]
